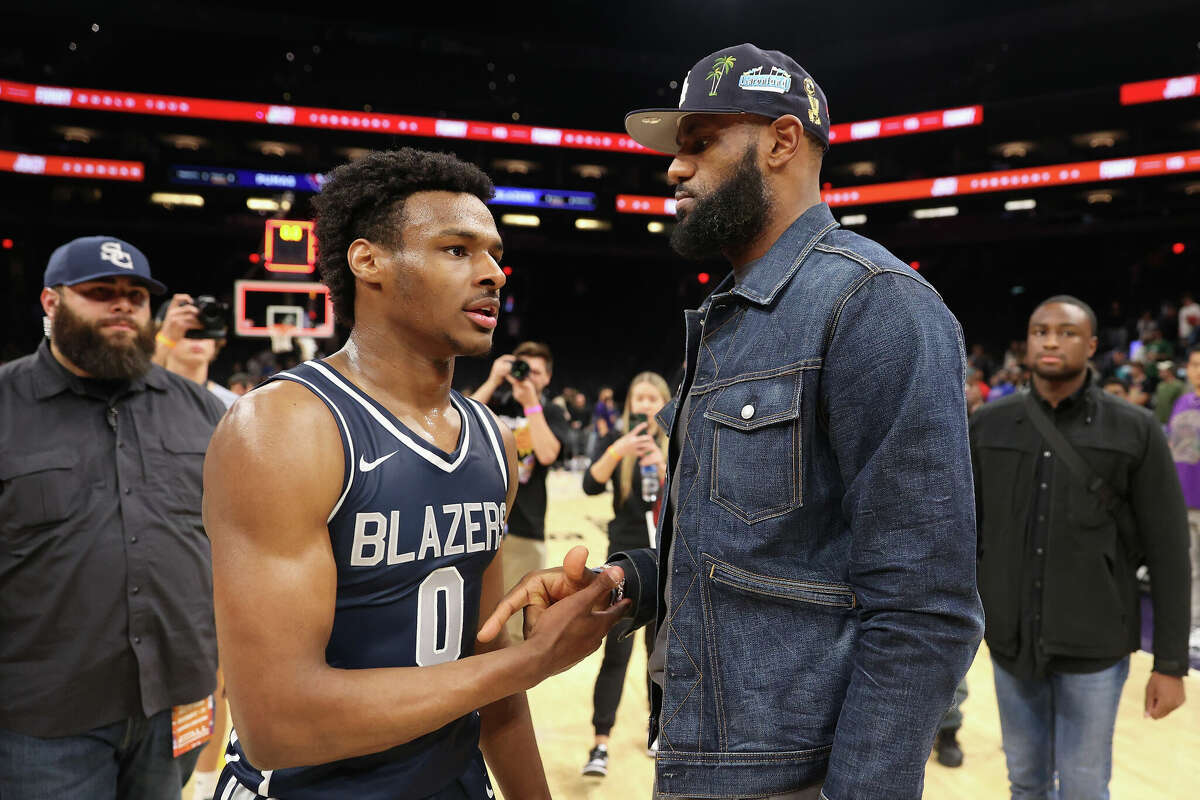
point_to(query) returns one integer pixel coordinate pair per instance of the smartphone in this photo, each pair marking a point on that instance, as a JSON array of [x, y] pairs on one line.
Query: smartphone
[[637, 419]]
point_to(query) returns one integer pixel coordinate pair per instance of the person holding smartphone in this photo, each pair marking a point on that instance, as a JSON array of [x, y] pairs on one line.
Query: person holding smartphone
[[634, 463]]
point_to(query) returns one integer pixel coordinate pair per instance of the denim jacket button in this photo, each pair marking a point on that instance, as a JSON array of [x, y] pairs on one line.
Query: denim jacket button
[[747, 411]]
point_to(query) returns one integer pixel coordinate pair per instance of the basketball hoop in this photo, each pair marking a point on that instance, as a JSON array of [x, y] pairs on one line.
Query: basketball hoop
[[281, 338]]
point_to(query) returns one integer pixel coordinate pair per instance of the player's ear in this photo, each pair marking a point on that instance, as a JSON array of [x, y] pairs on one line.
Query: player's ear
[[363, 258]]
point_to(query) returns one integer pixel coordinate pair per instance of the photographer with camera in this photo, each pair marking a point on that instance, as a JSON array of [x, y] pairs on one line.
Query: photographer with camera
[[540, 428], [108, 644], [190, 336]]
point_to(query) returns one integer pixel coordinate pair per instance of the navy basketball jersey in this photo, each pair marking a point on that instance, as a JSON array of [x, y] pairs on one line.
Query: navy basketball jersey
[[412, 532]]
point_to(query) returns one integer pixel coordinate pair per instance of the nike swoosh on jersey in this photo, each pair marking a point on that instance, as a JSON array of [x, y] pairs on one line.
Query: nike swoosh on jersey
[[489, 791], [367, 466]]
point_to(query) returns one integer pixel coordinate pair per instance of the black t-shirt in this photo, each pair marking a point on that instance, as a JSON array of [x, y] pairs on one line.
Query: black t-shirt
[[527, 518]]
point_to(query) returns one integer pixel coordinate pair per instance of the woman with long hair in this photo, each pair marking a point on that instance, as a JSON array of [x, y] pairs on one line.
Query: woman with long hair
[[625, 460]]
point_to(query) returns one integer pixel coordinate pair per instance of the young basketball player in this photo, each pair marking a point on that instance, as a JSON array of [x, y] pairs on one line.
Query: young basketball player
[[355, 506]]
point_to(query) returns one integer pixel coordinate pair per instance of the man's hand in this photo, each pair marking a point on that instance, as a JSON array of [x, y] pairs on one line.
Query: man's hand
[[572, 628], [182, 316], [524, 392], [1164, 694], [501, 368], [542, 588]]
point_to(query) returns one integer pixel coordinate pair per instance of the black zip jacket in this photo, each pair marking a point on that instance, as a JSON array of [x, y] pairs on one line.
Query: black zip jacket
[[1056, 575]]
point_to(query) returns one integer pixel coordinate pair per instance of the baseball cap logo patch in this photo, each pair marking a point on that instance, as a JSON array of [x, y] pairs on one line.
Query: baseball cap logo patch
[[752, 80], [814, 105], [721, 66], [112, 252]]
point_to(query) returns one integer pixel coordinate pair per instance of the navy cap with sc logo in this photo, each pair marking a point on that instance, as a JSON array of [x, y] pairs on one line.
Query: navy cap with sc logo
[[737, 80], [92, 257]]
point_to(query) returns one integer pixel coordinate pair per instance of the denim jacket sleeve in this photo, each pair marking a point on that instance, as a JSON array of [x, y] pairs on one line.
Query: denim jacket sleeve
[[641, 583], [892, 386]]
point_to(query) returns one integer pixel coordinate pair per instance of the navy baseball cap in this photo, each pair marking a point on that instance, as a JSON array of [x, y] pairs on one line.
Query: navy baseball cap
[[737, 80], [92, 257]]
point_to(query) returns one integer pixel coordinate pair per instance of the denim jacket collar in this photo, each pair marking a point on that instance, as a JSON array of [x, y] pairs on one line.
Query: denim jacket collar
[[766, 276]]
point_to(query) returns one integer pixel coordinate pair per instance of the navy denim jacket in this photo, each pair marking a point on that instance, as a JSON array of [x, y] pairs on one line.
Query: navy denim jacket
[[823, 596]]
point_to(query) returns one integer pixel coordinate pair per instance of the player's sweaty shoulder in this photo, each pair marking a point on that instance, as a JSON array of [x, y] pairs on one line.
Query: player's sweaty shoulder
[[282, 435]]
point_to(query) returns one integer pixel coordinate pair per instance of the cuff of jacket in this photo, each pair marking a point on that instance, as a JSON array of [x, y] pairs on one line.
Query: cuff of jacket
[[1172, 667], [641, 584]]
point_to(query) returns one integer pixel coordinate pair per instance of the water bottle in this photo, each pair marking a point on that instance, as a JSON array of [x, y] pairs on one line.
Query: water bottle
[[649, 483]]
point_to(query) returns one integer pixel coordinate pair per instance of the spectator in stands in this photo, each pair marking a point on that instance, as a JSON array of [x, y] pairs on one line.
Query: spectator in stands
[[1115, 364], [107, 617], [1183, 433], [1116, 386], [975, 376], [1189, 320], [541, 429], [619, 461], [980, 360], [603, 417], [1157, 347], [1169, 389], [240, 383], [1057, 564], [1144, 323], [1168, 323], [1004, 383], [1141, 387], [1015, 355], [1114, 334], [580, 415]]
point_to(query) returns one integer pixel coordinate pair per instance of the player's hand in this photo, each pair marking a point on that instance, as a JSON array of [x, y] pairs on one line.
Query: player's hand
[[524, 392], [570, 629], [540, 589], [1164, 694], [501, 368], [182, 316]]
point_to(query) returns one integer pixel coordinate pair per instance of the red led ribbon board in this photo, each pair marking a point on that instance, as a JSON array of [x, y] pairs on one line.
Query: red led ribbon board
[[1112, 169], [1007, 180], [397, 124], [106, 169], [290, 246], [1162, 89], [905, 124]]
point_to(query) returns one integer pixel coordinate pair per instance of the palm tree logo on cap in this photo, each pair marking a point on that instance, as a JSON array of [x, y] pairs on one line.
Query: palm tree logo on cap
[[721, 66]]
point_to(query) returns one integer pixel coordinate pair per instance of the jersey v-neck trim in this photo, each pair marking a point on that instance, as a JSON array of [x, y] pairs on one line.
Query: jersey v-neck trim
[[447, 462]]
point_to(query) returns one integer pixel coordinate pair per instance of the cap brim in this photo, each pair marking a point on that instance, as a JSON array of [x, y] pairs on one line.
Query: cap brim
[[154, 286], [656, 128]]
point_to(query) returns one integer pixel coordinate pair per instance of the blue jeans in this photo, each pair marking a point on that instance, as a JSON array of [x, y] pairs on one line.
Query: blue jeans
[[127, 760], [1060, 726]]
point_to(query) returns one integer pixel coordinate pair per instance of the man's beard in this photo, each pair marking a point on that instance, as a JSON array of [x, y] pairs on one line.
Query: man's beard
[[86, 347], [729, 217]]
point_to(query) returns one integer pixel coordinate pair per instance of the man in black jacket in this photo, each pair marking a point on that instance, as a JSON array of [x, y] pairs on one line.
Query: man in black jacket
[[1057, 559]]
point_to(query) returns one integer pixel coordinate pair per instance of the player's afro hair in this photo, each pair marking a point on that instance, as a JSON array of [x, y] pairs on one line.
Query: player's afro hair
[[365, 199]]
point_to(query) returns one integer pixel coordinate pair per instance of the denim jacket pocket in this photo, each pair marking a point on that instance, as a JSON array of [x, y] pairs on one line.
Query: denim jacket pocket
[[761, 632], [756, 456]]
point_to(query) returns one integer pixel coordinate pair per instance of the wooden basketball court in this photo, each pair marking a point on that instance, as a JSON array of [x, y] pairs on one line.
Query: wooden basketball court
[[1153, 760]]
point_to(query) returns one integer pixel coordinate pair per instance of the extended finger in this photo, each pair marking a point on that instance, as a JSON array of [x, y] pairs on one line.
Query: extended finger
[[510, 604]]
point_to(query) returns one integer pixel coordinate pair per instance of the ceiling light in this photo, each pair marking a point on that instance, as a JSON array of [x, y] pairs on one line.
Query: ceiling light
[[1013, 149], [354, 153], [1099, 197], [521, 220], [863, 169], [654, 226], [589, 224], [515, 166], [1098, 139], [935, 212], [854, 219], [181, 142], [277, 149], [262, 204], [1192, 188], [73, 134], [1020, 205], [172, 199], [594, 171]]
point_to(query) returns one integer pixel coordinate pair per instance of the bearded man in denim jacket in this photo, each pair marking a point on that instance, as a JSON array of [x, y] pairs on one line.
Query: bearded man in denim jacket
[[818, 544]]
